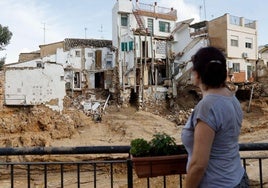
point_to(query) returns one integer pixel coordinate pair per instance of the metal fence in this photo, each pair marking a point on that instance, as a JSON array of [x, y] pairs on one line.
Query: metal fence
[[98, 166]]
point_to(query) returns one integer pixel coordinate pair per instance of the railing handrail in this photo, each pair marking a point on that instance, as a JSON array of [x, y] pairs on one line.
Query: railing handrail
[[253, 146], [64, 150], [99, 149]]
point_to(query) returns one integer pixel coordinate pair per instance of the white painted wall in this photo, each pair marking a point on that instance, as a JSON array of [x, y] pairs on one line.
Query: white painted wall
[[33, 86], [186, 58], [32, 63], [125, 34], [181, 38]]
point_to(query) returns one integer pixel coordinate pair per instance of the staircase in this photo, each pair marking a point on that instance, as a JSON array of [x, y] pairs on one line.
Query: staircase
[[139, 20], [182, 70]]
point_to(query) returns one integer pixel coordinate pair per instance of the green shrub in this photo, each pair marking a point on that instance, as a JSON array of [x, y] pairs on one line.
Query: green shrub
[[140, 147], [161, 144]]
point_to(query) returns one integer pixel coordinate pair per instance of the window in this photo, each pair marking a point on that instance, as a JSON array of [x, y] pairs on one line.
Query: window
[[164, 26], [77, 53], [248, 42], [234, 40], [109, 64], [236, 67], [124, 46], [151, 25], [76, 80], [249, 72], [130, 45], [124, 20], [39, 65], [90, 54]]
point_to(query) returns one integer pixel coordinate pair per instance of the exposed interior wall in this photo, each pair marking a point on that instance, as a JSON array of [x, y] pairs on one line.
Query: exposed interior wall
[[50, 49], [23, 57], [217, 32]]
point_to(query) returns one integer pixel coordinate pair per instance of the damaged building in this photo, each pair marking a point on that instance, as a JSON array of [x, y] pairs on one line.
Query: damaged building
[[148, 59], [141, 34], [75, 65], [154, 50], [33, 83]]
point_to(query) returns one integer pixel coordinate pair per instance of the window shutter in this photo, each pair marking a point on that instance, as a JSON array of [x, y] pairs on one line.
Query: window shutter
[[130, 45], [123, 46]]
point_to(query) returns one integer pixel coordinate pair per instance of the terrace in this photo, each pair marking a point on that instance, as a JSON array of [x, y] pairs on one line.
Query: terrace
[[156, 11]]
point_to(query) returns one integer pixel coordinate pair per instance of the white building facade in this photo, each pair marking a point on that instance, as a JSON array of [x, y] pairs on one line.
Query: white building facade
[[34, 83], [70, 65], [141, 33]]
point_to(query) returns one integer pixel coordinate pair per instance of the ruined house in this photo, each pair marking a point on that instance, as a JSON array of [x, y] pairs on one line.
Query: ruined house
[[76, 65], [154, 50], [141, 35], [33, 83], [148, 58]]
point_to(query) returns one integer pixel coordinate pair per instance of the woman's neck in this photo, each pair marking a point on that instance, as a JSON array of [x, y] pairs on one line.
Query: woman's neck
[[219, 91]]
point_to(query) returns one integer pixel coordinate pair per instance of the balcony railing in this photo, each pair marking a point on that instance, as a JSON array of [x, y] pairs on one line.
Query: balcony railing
[[156, 11], [98, 166]]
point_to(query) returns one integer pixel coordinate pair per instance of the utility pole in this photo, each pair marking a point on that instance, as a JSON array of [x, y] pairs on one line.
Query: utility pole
[[85, 33], [101, 30], [44, 29], [205, 14], [200, 11]]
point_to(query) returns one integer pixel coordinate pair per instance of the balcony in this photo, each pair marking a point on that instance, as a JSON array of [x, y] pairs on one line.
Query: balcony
[[240, 21], [156, 11], [101, 166]]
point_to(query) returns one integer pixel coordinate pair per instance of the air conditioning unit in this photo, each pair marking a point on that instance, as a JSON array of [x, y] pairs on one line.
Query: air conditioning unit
[[245, 55]]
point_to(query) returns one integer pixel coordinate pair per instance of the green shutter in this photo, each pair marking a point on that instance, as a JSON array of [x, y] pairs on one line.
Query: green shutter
[[123, 46], [130, 45]]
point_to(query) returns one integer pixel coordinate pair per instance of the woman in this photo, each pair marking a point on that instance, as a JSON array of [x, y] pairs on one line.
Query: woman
[[212, 131]]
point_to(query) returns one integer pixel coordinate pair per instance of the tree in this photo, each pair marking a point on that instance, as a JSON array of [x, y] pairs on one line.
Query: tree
[[5, 36], [2, 62]]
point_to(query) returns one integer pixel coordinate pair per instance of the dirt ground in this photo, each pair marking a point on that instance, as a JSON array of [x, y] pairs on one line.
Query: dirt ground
[[40, 126]]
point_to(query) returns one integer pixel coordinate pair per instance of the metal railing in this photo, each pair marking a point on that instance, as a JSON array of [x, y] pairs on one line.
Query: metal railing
[[96, 166]]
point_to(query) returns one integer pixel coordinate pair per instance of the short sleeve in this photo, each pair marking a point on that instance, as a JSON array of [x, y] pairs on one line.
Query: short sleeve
[[205, 111]]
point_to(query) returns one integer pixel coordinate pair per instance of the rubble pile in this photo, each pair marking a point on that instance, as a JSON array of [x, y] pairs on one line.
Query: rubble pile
[[34, 126]]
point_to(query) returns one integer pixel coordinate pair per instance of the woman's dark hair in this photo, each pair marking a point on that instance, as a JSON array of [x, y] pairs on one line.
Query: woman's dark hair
[[210, 64]]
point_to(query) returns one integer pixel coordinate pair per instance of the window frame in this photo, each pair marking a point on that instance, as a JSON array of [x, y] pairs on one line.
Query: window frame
[[77, 53], [249, 43], [234, 41], [150, 27], [124, 20], [164, 26], [236, 67]]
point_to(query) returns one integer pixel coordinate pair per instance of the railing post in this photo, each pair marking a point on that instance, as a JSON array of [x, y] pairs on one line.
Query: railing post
[[129, 173]]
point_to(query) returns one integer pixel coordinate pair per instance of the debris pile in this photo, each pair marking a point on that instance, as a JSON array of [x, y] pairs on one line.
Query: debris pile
[[35, 126]]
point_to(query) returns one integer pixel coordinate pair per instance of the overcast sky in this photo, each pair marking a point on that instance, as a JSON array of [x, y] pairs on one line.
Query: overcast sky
[[35, 22]]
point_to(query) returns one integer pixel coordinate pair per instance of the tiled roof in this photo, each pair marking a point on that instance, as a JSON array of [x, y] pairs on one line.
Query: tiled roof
[[72, 43]]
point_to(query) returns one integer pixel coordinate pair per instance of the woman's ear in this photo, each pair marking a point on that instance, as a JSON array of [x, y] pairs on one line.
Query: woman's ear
[[194, 78]]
